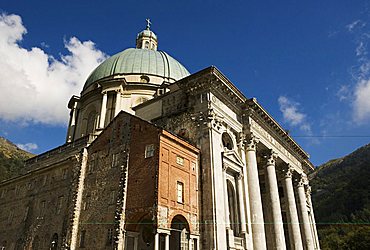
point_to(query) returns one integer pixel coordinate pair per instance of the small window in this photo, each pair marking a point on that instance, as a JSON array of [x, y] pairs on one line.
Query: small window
[[45, 180], [110, 237], [42, 208], [149, 150], [59, 204], [144, 79], [180, 192], [11, 216], [25, 213], [112, 199], [147, 45], [180, 160], [82, 238], [64, 174], [2, 193], [86, 203], [115, 160]]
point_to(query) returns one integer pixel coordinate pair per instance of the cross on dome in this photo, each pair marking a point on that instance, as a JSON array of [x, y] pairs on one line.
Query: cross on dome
[[148, 23]]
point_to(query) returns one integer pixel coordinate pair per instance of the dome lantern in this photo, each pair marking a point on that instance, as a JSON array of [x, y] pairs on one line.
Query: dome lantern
[[147, 39]]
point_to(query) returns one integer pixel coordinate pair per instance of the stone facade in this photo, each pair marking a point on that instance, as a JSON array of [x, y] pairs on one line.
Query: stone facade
[[196, 165]]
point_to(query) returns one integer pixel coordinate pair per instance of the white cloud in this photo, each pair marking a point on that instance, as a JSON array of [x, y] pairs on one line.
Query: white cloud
[[361, 102], [290, 111], [28, 146], [35, 87], [343, 93], [293, 116], [355, 24]]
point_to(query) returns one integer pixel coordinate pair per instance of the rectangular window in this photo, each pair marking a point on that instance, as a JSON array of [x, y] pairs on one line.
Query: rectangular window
[[110, 237], [86, 203], [45, 180], [82, 238], [42, 208], [64, 174], [11, 216], [180, 160], [25, 214], [16, 191], [115, 160], [180, 192], [149, 150], [59, 204], [112, 199]]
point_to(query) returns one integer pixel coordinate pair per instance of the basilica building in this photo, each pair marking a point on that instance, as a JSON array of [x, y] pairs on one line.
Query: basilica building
[[157, 158]]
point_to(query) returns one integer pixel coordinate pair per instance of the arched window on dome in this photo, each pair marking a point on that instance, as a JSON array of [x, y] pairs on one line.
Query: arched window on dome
[[144, 79], [147, 44], [91, 122]]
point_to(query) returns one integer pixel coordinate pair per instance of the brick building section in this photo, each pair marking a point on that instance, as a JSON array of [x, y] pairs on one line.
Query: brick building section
[[178, 164]]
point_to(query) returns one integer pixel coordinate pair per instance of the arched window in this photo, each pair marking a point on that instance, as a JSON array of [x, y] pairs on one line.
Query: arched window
[[147, 45], [227, 142], [91, 122], [144, 79], [233, 208]]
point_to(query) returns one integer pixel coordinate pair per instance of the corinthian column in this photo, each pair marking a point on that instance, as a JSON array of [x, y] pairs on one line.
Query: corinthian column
[[307, 236], [258, 227], [273, 194], [293, 221]]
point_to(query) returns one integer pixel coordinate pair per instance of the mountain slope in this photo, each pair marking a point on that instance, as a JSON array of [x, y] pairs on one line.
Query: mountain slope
[[341, 197], [11, 159]]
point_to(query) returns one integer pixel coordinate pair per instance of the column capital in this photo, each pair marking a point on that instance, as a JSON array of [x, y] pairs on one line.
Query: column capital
[[240, 176], [302, 180], [269, 157], [251, 142], [287, 171]]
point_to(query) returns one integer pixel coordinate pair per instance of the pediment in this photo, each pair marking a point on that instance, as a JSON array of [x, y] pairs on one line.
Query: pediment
[[231, 157]]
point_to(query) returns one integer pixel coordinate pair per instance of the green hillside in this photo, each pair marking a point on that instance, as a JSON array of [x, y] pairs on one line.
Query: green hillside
[[341, 198], [11, 159]]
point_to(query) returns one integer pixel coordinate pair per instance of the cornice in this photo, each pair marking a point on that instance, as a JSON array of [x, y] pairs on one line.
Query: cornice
[[256, 111]]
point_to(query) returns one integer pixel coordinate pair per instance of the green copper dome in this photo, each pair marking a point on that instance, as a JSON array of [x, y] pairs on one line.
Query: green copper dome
[[139, 61]]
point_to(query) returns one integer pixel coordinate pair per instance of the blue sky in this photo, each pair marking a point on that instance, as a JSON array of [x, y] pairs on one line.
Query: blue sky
[[306, 62]]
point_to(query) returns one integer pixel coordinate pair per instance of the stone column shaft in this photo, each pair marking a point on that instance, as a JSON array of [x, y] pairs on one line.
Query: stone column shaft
[[307, 236], [103, 110], [156, 241], [167, 242], [243, 227], [273, 194], [255, 201], [292, 215]]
